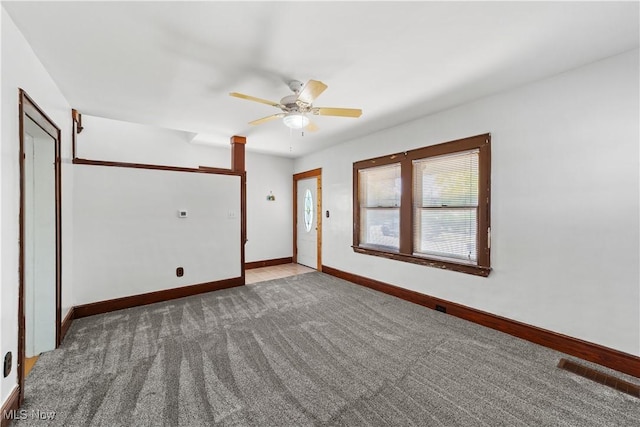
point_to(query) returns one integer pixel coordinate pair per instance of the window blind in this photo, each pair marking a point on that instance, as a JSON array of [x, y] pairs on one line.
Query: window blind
[[445, 203], [380, 191]]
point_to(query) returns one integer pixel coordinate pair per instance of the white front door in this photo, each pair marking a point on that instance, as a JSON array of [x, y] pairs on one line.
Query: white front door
[[307, 227]]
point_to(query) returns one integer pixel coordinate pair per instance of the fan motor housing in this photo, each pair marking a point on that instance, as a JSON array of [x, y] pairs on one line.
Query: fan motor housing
[[290, 102]]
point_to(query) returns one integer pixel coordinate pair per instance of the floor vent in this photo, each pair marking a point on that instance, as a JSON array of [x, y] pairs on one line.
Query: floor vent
[[600, 377]]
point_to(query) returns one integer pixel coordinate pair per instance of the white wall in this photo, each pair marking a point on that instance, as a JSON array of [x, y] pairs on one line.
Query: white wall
[[118, 141], [21, 68], [565, 196], [269, 223], [130, 240]]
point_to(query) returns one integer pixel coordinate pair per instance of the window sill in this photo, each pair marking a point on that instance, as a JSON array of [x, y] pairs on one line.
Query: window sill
[[429, 262]]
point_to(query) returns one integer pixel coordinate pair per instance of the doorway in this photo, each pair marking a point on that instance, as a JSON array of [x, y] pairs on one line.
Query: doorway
[[307, 218], [40, 235]]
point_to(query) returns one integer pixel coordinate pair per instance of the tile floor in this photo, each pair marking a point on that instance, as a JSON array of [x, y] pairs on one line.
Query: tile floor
[[262, 274]]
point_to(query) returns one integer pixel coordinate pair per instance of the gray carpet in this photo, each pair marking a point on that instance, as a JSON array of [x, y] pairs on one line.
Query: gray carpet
[[307, 350]]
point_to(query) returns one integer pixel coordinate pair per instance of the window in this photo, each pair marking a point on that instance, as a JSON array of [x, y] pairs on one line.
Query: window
[[308, 210], [445, 199], [428, 206], [380, 191]]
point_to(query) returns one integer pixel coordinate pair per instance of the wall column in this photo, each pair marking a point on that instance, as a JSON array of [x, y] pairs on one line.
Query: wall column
[[238, 165], [237, 153]]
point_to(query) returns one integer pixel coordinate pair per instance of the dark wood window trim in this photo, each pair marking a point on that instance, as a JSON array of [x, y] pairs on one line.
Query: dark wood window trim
[[405, 253]]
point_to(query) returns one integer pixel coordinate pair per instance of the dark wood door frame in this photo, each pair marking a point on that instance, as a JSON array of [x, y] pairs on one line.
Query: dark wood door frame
[[29, 109], [314, 173]]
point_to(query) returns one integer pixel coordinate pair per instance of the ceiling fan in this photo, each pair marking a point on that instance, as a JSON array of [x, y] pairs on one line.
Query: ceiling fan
[[296, 108]]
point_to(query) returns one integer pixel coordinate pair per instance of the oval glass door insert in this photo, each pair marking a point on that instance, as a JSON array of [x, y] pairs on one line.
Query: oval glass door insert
[[308, 210]]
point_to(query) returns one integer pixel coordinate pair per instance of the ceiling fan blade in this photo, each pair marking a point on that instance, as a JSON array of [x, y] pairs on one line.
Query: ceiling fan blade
[[312, 127], [341, 112], [267, 119], [253, 98], [311, 91]]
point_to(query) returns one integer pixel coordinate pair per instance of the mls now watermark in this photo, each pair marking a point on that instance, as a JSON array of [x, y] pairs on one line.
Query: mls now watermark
[[34, 414]]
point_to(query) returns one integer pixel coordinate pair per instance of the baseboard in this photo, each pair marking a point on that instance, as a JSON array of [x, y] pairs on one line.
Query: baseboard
[[267, 263], [153, 297], [66, 323], [605, 356], [600, 377], [10, 407]]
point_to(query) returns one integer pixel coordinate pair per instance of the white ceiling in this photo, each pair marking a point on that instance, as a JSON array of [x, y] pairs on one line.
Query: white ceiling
[[172, 64]]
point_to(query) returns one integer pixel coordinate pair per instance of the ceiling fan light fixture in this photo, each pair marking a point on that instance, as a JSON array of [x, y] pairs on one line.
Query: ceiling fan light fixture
[[296, 108], [296, 120]]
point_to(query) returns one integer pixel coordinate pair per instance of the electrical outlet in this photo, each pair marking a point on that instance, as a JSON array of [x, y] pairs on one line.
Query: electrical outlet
[[179, 271]]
